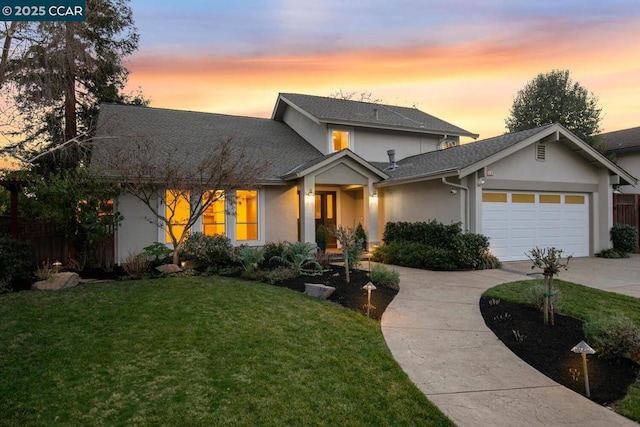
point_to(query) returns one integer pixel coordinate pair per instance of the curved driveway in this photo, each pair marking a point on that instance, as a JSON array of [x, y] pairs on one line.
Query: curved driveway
[[436, 333]]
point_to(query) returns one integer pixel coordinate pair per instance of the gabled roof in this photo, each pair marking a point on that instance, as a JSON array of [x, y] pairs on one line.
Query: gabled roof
[[622, 140], [365, 114], [465, 159], [192, 132], [320, 162]]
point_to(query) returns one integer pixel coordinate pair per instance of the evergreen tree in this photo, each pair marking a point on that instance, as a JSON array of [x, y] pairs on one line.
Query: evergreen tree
[[555, 98]]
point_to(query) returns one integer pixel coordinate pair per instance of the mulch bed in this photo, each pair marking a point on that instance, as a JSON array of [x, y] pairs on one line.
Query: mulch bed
[[548, 349], [350, 295]]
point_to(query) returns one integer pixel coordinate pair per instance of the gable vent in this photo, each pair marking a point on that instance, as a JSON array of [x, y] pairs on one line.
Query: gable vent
[[541, 152]]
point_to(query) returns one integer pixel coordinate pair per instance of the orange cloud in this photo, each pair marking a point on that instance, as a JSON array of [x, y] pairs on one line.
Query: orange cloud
[[470, 84]]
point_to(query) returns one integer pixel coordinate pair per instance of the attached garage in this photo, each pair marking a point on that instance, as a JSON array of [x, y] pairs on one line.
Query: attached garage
[[516, 222]]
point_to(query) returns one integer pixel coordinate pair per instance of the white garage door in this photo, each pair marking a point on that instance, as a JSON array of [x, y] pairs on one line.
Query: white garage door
[[517, 222]]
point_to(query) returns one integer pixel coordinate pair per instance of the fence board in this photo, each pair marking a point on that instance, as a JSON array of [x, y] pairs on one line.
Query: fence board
[[49, 243], [626, 210]]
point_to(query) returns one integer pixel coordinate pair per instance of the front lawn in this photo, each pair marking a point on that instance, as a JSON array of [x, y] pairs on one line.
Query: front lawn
[[197, 351], [579, 302]]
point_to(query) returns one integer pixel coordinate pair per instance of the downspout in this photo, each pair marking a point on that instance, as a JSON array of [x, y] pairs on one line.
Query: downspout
[[466, 208]]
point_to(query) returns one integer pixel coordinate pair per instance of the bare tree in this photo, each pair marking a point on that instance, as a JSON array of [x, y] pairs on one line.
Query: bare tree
[[355, 96], [346, 236], [148, 171]]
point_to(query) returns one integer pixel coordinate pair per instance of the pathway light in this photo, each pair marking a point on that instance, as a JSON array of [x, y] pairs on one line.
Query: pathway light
[[583, 348]]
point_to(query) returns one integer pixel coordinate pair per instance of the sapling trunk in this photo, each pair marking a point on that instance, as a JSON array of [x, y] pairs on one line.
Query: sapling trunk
[[548, 303], [345, 250]]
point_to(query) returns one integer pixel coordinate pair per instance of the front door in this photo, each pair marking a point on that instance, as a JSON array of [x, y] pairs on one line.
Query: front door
[[326, 214]]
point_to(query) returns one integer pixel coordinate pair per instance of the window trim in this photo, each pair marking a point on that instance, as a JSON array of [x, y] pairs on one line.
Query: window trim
[[230, 220], [348, 130]]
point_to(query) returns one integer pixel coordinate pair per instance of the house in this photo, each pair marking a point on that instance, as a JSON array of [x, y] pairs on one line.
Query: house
[[341, 162], [625, 146]]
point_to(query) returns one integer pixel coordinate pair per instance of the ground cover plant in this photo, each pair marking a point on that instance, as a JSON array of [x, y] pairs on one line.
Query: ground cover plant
[[613, 382], [197, 351]]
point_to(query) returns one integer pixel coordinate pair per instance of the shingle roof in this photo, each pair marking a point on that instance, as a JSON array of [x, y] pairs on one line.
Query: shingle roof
[[191, 132], [458, 157], [622, 139], [347, 112]]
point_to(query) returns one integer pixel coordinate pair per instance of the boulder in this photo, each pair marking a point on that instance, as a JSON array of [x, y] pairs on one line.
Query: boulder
[[168, 268], [57, 281], [316, 290]]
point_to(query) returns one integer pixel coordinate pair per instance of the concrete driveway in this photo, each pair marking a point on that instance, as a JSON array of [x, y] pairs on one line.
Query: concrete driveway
[[436, 333]]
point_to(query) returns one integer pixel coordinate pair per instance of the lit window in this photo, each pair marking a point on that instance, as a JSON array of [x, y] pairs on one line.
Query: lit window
[[177, 212], [213, 218], [340, 140], [246, 215]]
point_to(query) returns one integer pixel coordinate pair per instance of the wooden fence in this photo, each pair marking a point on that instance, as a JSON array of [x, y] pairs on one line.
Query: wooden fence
[[50, 244], [626, 210]]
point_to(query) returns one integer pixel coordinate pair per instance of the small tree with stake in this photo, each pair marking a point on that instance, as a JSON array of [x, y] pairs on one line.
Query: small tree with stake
[[346, 236], [550, 261]]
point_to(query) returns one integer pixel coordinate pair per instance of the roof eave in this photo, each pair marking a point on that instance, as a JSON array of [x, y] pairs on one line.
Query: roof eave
[[418, 178], [368, 125], [329, 160], [279, 108]]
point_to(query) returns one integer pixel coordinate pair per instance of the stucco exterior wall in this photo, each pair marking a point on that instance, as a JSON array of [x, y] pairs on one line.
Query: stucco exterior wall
[[314, 133], [372, 145], [421, 201], [561, 165], [138, 229], [351, 208], [281, 223], [631, 163]]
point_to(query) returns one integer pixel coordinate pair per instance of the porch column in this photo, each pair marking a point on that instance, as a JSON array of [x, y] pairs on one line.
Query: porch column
[[370, 198], [307, 209]]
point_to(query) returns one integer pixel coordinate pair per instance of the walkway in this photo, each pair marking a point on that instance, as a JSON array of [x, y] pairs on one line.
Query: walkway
[[436, 333]]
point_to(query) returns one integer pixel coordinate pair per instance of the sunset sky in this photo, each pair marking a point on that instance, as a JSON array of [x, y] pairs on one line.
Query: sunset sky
[[460, 60]]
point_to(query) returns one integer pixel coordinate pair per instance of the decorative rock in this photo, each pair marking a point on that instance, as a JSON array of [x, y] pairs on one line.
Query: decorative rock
[[58, 281], [168, 268], [316, 290]]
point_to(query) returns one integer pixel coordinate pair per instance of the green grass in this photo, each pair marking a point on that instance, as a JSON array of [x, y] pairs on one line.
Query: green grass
[[197, 351], [587, 304]]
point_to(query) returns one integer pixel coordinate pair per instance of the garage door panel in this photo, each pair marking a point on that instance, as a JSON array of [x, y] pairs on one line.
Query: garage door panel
[[516, 228]]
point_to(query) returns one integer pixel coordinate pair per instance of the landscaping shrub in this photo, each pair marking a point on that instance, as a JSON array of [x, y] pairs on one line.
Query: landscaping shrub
[[385, 254], [299, 257], [355, 253], [624, 237], [409, 254], [534, 295], [434, 246], [432, 233], [613, 337], [271, 250], [439, 259], [470, 250], [362, 236], [489, 261], [158, 253], [214, 252], [384, 276], [250, 258], [15, 264], [613, 253], [277, 275], [136, 265]]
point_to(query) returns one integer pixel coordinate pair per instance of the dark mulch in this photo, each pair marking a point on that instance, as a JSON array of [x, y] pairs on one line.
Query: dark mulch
[[350, 295], [548, 349]]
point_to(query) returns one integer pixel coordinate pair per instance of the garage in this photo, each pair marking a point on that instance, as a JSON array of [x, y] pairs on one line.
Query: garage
[[516, 222]]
